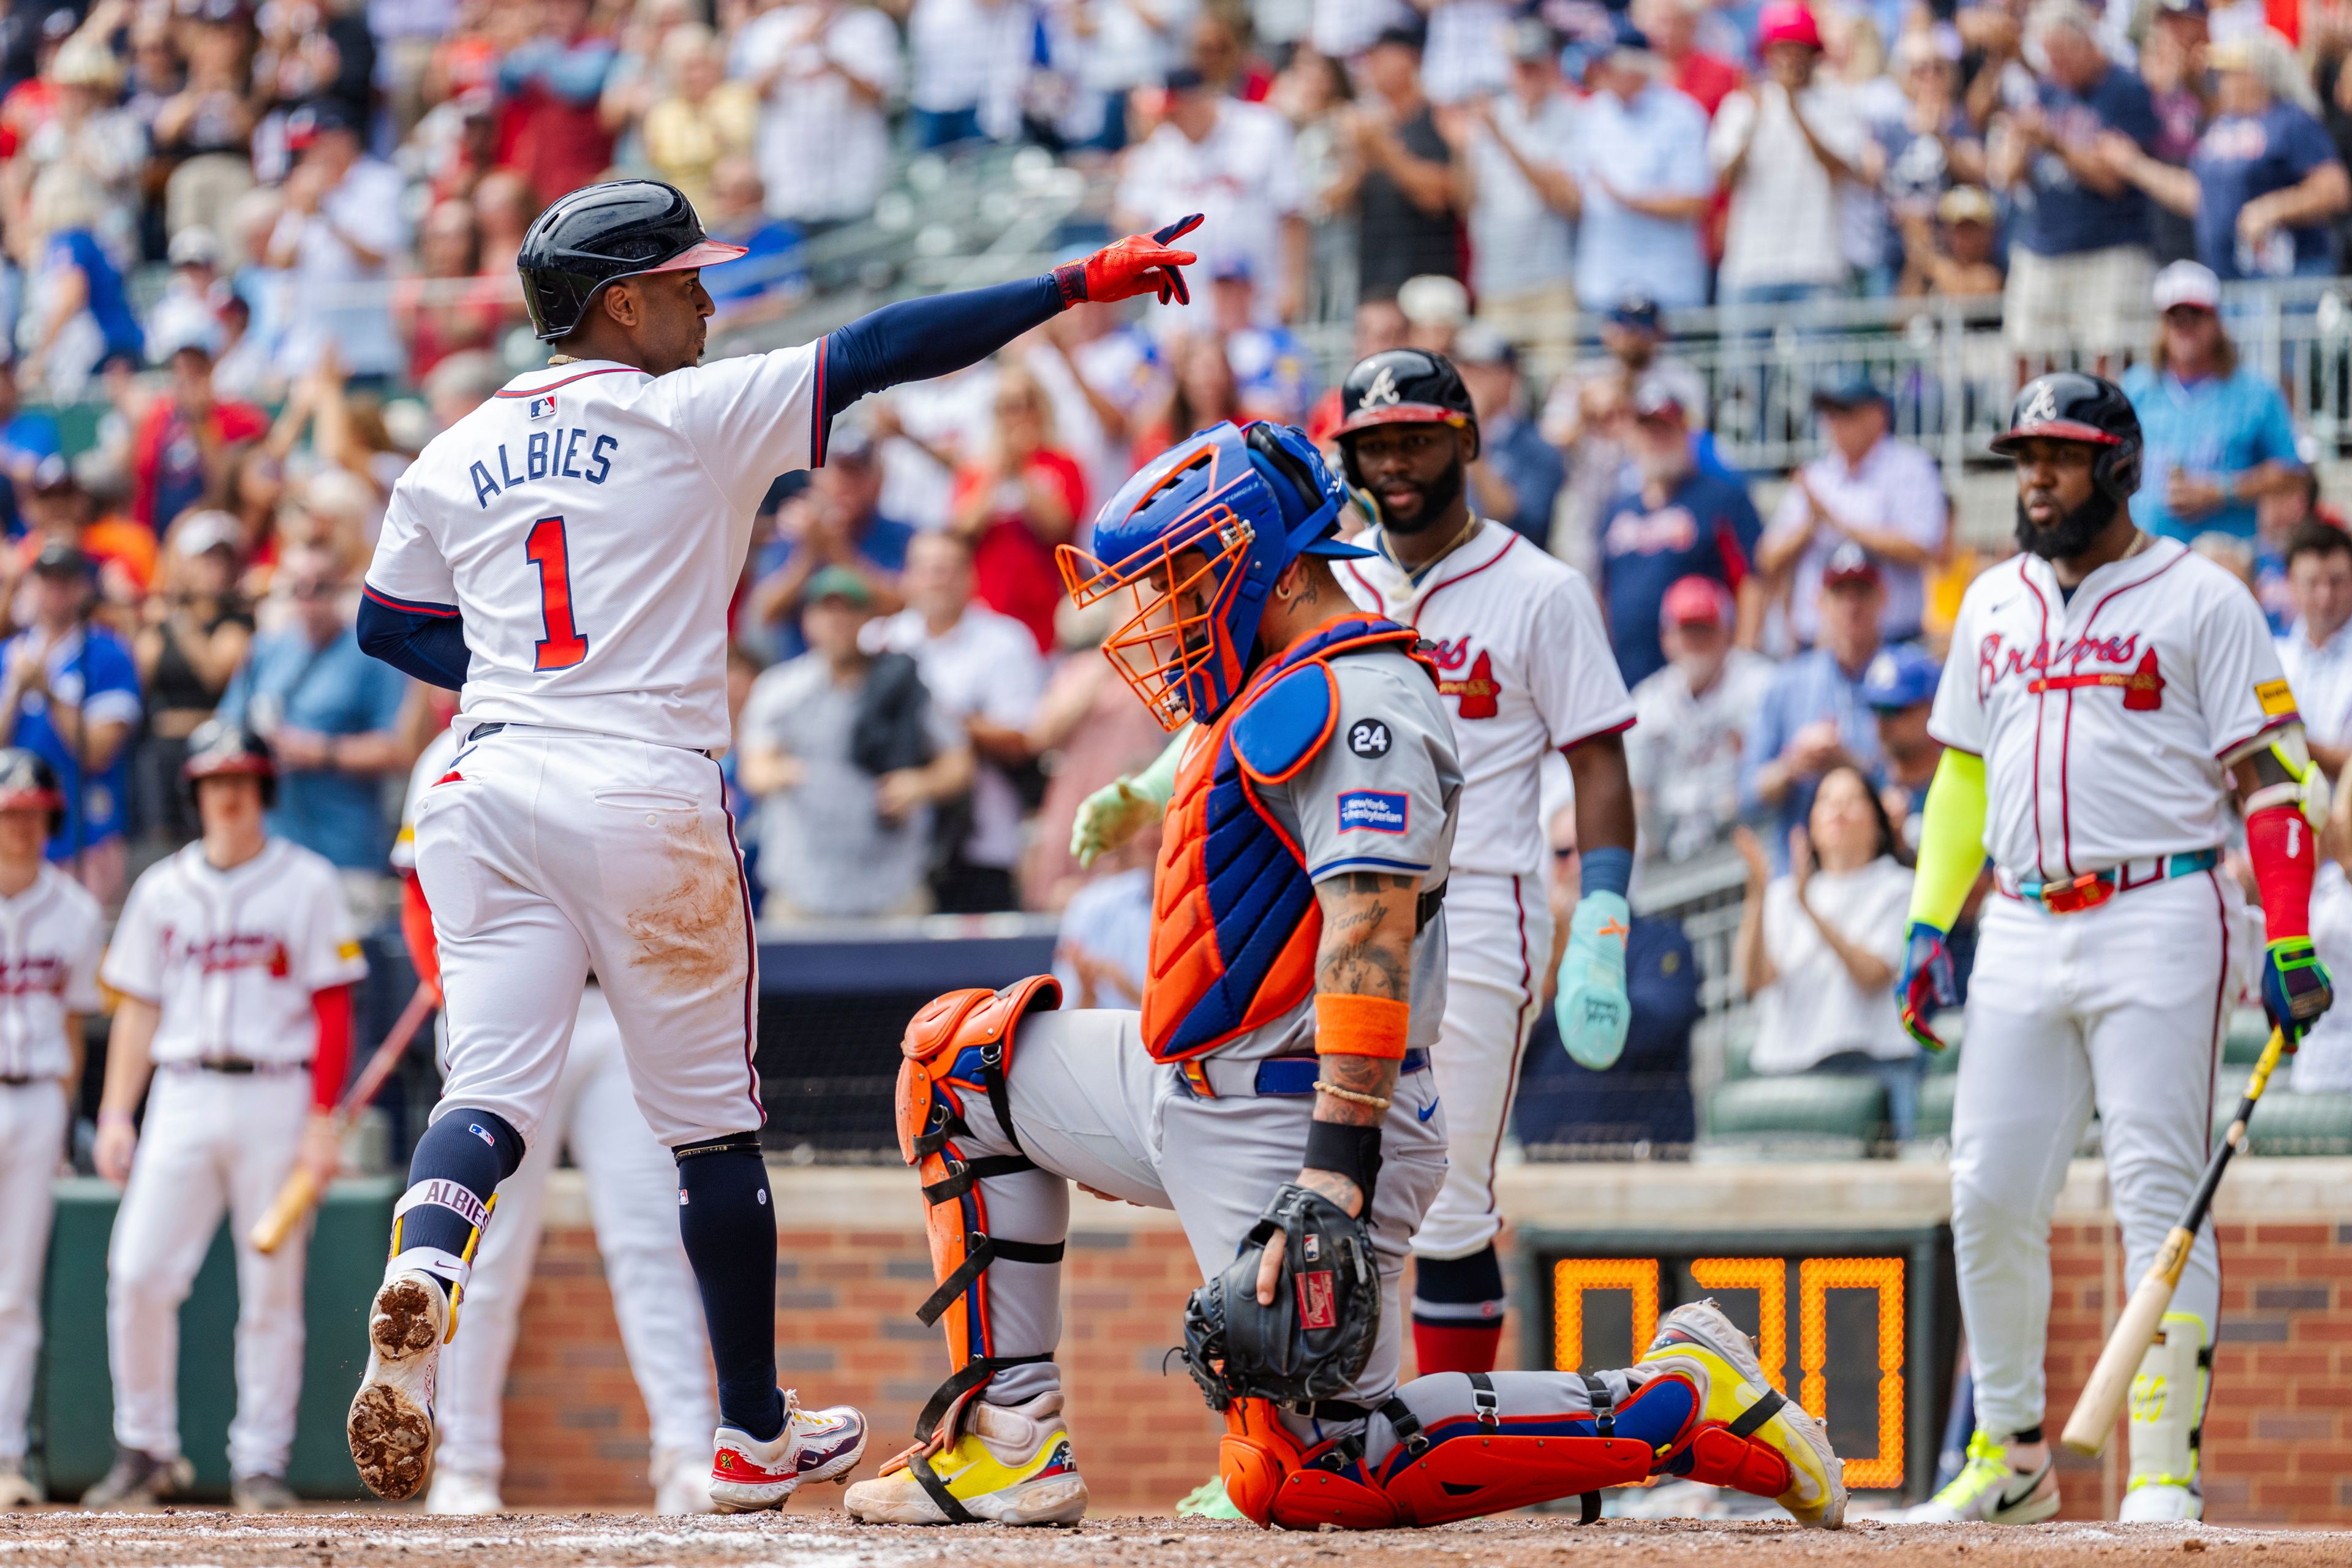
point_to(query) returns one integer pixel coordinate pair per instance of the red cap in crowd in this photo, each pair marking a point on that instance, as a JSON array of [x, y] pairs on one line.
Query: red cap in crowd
[[1695, 601], [1787, 22]]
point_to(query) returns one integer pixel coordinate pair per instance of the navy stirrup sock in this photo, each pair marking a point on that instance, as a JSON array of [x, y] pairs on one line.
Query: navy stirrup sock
[[726, 1219], [475, 1150]]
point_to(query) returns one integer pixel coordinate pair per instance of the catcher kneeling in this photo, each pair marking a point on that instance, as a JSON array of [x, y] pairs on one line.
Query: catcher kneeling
[[1275, 1091]]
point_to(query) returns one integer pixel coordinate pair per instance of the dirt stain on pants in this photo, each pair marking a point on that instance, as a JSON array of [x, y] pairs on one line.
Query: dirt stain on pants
[[690, 939]]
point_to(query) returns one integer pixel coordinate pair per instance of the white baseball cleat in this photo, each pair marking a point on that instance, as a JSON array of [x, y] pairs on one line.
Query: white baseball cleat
[[16, 1488], [2157, 1502], [463, 1492], [391, 1422], [681, 1482], [1989, 1490], [748, 1475]]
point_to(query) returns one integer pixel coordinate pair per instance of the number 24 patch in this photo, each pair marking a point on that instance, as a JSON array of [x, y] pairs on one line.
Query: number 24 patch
[[1377, 811]]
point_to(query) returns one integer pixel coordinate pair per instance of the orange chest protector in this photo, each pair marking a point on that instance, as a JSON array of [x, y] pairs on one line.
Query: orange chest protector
[[1235, 921]]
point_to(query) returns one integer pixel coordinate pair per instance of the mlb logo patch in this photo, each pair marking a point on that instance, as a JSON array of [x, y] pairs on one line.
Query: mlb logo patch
[[1375, 811], [542, 407], [1317, 1310]]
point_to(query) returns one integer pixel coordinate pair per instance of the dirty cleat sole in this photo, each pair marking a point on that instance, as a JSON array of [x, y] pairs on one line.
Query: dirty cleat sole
[[391, 1422]]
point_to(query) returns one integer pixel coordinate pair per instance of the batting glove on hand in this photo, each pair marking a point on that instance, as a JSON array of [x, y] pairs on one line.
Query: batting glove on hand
[[2296, 988], [1928, 986], [1591, 1008], [1110, 816], [1140, 264]]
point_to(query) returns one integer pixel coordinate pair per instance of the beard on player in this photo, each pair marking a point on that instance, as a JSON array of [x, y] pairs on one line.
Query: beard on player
[[1413, 506], [2071, 531]]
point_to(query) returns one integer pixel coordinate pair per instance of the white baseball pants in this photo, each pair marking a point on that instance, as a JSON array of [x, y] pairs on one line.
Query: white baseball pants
[[33, 1118], [2121, 1008], [548, 854], [633, 1201], [1499, 938], [212, 1142]]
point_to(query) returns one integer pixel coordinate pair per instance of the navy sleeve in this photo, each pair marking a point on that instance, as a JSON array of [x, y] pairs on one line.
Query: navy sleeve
[[427, 641], [915, 340]]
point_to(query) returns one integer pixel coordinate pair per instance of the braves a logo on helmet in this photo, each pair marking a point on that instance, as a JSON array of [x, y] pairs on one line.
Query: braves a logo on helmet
[[2041, 410], [1382, 392]]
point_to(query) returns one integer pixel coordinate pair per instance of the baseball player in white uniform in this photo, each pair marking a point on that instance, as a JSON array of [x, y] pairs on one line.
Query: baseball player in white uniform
[[633, 1204], [51, 932], [1297, 976], [2111, 705], [565, 554], [1525, 667], [236, 960]]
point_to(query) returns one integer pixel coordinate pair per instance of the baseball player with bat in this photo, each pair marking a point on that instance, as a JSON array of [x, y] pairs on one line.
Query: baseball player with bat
[[2111, 705], [1275, 1091], [565, 554], [236, 960], [51, 932]]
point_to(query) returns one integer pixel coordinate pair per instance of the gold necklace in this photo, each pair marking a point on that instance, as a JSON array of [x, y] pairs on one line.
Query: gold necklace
[[1414, 574]]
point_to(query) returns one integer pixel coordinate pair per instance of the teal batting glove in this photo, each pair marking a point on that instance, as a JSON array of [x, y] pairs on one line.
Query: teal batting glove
[[1591, 1007]]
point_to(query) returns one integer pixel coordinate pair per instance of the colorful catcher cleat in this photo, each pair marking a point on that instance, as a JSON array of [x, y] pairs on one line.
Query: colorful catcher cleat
[[1809, 1479], [1010, 1464]]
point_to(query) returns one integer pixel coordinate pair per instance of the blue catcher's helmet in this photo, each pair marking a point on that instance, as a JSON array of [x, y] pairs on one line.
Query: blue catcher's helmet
[[1198, 537]]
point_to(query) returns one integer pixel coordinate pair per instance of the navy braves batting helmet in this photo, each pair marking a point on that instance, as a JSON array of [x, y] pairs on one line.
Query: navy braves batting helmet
[[27, 783], [218, 747], [2070, 406], [1401, 386], [600, 234]]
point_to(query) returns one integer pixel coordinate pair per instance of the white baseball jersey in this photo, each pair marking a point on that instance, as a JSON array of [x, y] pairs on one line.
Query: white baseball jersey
[[233, 957], [51, 938], [1525, 667], [2104, 719], [590, 522]]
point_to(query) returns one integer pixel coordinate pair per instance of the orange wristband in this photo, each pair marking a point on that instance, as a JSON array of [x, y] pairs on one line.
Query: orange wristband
[[1360, 1026]]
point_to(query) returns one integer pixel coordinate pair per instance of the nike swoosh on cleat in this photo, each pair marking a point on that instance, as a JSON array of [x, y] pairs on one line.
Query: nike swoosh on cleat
[[2012, 1499]]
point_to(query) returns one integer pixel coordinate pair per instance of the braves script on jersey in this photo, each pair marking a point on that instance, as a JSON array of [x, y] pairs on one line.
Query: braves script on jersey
[[50, 936], [1523, 662], [591, 521], [233, 957], [2103, 719]]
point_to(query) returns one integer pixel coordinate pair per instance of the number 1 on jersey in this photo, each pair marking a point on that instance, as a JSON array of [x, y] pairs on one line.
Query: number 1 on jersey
[[563, 646]]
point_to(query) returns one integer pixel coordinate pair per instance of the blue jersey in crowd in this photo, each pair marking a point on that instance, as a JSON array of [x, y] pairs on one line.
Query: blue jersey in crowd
[[1708, 527], [109, 305], [331, 691], [2216, 427], [2242, 156], [92, 670], [1810, 687], [2057, 215]]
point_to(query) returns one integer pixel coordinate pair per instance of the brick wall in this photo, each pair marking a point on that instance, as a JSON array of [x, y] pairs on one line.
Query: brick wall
[[2279, 1436], [846, 1332]]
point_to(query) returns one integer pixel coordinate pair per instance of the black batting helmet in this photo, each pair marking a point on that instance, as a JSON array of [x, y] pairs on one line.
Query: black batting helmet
[[2069, 405], [1401, 386], [218, 747], [27, 783], [599, 233]]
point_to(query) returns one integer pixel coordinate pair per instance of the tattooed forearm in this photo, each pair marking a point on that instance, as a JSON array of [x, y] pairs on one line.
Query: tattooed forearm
[[1366, 947], [1366, 951], [1372, 1077]]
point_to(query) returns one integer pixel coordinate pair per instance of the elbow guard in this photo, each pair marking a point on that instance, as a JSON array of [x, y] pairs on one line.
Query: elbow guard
[[1951, 843]]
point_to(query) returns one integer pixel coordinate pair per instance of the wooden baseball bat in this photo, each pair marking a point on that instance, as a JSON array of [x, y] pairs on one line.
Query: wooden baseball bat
[[300, 1189], [2093, 1420]]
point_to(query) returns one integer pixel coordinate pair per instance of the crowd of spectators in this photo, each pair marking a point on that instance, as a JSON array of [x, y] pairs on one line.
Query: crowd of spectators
[[256, 256]]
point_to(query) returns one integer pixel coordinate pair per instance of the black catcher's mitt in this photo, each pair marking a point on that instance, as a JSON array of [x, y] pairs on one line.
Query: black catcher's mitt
[[1312, 1343]]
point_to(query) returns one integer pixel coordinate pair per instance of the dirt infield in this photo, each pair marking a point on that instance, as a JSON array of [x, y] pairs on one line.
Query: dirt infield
[[817, 1540]]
